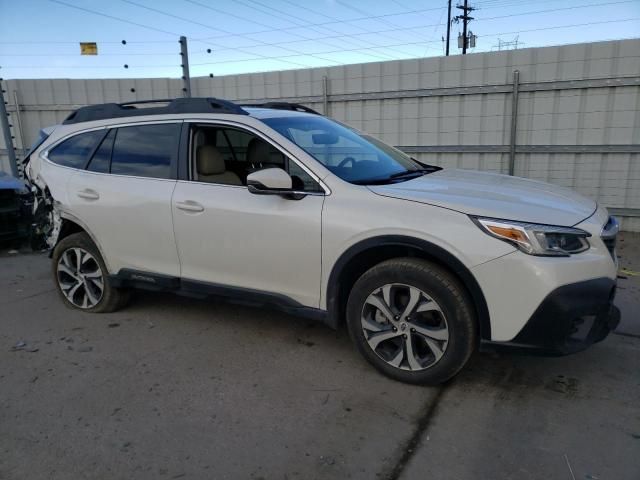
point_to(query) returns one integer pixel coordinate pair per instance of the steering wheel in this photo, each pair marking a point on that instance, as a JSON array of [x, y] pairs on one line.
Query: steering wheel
[[344, 162]]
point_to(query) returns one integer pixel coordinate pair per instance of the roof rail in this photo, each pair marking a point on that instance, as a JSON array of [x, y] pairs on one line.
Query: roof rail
[[282, 106], [174, 105]]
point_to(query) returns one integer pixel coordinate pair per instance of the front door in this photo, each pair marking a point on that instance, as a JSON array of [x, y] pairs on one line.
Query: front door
[[230, 237]]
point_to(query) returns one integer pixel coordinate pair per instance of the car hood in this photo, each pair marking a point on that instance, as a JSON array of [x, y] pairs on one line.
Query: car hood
[[8, 182], [494, 195]]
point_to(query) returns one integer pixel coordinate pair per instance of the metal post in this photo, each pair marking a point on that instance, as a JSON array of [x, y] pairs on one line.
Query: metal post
[[325, 96], [448, 26], [186, 79], [6, 131], [19, 118], [514, 122]]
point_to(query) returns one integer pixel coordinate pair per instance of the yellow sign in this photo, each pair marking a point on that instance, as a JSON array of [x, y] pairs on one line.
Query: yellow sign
[[88, 48]]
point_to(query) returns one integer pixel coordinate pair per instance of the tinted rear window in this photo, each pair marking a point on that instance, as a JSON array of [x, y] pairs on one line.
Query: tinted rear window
[[146, 150], [75, 151], [102, 158]]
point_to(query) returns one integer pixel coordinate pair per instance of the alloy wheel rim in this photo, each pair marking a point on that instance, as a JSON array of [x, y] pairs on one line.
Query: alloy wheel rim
[[405, 327], [80, 278]]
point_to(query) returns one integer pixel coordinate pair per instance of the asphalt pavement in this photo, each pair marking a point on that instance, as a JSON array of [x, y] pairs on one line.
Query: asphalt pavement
[[173, 387]]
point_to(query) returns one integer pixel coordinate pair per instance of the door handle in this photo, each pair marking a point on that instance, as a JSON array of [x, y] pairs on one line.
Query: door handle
[[190, 206], [88, 194]]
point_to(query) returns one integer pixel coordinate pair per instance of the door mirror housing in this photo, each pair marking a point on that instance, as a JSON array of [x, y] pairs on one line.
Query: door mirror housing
[[271, 181]]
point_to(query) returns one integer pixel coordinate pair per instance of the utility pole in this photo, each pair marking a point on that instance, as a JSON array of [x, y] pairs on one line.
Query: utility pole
[[465, 20], [448, 26], [186, 79]]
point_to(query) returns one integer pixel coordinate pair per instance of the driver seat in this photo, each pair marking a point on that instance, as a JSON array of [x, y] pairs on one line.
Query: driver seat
[[211, 167]]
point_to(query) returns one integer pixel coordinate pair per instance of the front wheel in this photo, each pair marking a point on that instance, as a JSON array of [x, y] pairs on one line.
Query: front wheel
[[412, 320], [81, 276]]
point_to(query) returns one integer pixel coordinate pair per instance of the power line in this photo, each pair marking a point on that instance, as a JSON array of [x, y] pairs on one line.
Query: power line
[[240, 35], [276, 58], [93, 12], [264, 44], [315, 55], [283, 15], [371, 17], [352, 20], [114, 18], [316, 29], [200, 24], [555, 10], [336, 51], [223, 48], [488, 35], [345, 35]]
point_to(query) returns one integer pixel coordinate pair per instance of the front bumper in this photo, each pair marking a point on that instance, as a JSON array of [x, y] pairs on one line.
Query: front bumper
[[569, 319]]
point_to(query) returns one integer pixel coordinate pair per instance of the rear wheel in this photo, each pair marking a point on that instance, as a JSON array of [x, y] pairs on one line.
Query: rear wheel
[[82, 278], [412, 320]]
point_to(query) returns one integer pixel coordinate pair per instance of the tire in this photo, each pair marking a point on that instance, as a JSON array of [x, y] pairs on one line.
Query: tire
[[93, 274], [433, 329]]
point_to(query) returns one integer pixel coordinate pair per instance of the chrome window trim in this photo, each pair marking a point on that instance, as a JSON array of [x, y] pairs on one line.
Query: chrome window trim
[[283, 150]]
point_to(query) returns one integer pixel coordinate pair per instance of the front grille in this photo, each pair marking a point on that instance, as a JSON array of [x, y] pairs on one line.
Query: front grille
[[609, 235]]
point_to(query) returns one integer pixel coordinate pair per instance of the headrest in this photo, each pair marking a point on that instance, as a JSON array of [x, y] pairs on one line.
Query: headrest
[[209, 160], [258, 151]]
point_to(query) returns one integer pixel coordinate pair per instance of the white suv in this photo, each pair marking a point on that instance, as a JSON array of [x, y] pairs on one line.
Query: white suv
[[277, 205]]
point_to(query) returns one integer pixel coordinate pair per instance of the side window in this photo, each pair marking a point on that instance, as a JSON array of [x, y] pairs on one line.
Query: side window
[[302, 181], [146, 150], [239, 142], [75, 151], [102, 158], [227, 155]]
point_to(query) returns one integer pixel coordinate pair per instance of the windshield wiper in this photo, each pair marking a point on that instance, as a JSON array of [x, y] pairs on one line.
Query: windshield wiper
[[395, 176], [406, 173]]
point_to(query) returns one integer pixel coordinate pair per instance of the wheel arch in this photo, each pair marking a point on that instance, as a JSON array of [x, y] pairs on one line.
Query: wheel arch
[[69, 225], [358, 258]]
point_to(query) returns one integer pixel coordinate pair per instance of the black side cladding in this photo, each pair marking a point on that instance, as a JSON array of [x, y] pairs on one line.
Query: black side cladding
[[175, 106]]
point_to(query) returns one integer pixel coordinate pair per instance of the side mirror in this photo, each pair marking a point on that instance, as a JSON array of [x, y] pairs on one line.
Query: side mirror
[[271, 181]]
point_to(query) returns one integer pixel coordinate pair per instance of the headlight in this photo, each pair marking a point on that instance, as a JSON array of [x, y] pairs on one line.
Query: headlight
[[535, 239]]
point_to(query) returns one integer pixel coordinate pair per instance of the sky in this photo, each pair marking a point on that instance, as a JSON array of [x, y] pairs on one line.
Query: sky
[[40, 38]]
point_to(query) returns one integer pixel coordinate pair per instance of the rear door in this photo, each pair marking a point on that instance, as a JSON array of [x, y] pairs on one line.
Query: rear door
[[124, 196]]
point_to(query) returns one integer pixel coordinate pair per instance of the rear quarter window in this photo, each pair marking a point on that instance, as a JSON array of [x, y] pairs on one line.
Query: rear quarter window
[[75, 151], [146, 150]]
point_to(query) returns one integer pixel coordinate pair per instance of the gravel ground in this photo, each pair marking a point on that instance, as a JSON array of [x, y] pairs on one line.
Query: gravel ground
[[180, 388]]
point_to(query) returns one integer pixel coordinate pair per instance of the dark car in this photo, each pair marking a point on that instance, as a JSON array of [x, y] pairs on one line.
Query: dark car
[[15, 210]]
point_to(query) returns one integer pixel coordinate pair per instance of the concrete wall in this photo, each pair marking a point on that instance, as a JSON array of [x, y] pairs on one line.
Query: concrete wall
[[578, 114]]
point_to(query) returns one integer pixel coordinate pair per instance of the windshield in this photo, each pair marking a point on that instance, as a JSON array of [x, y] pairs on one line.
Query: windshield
[[354, 157]]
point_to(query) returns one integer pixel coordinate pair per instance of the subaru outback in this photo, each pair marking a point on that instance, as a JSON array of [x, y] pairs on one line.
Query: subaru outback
[[278, 205]]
